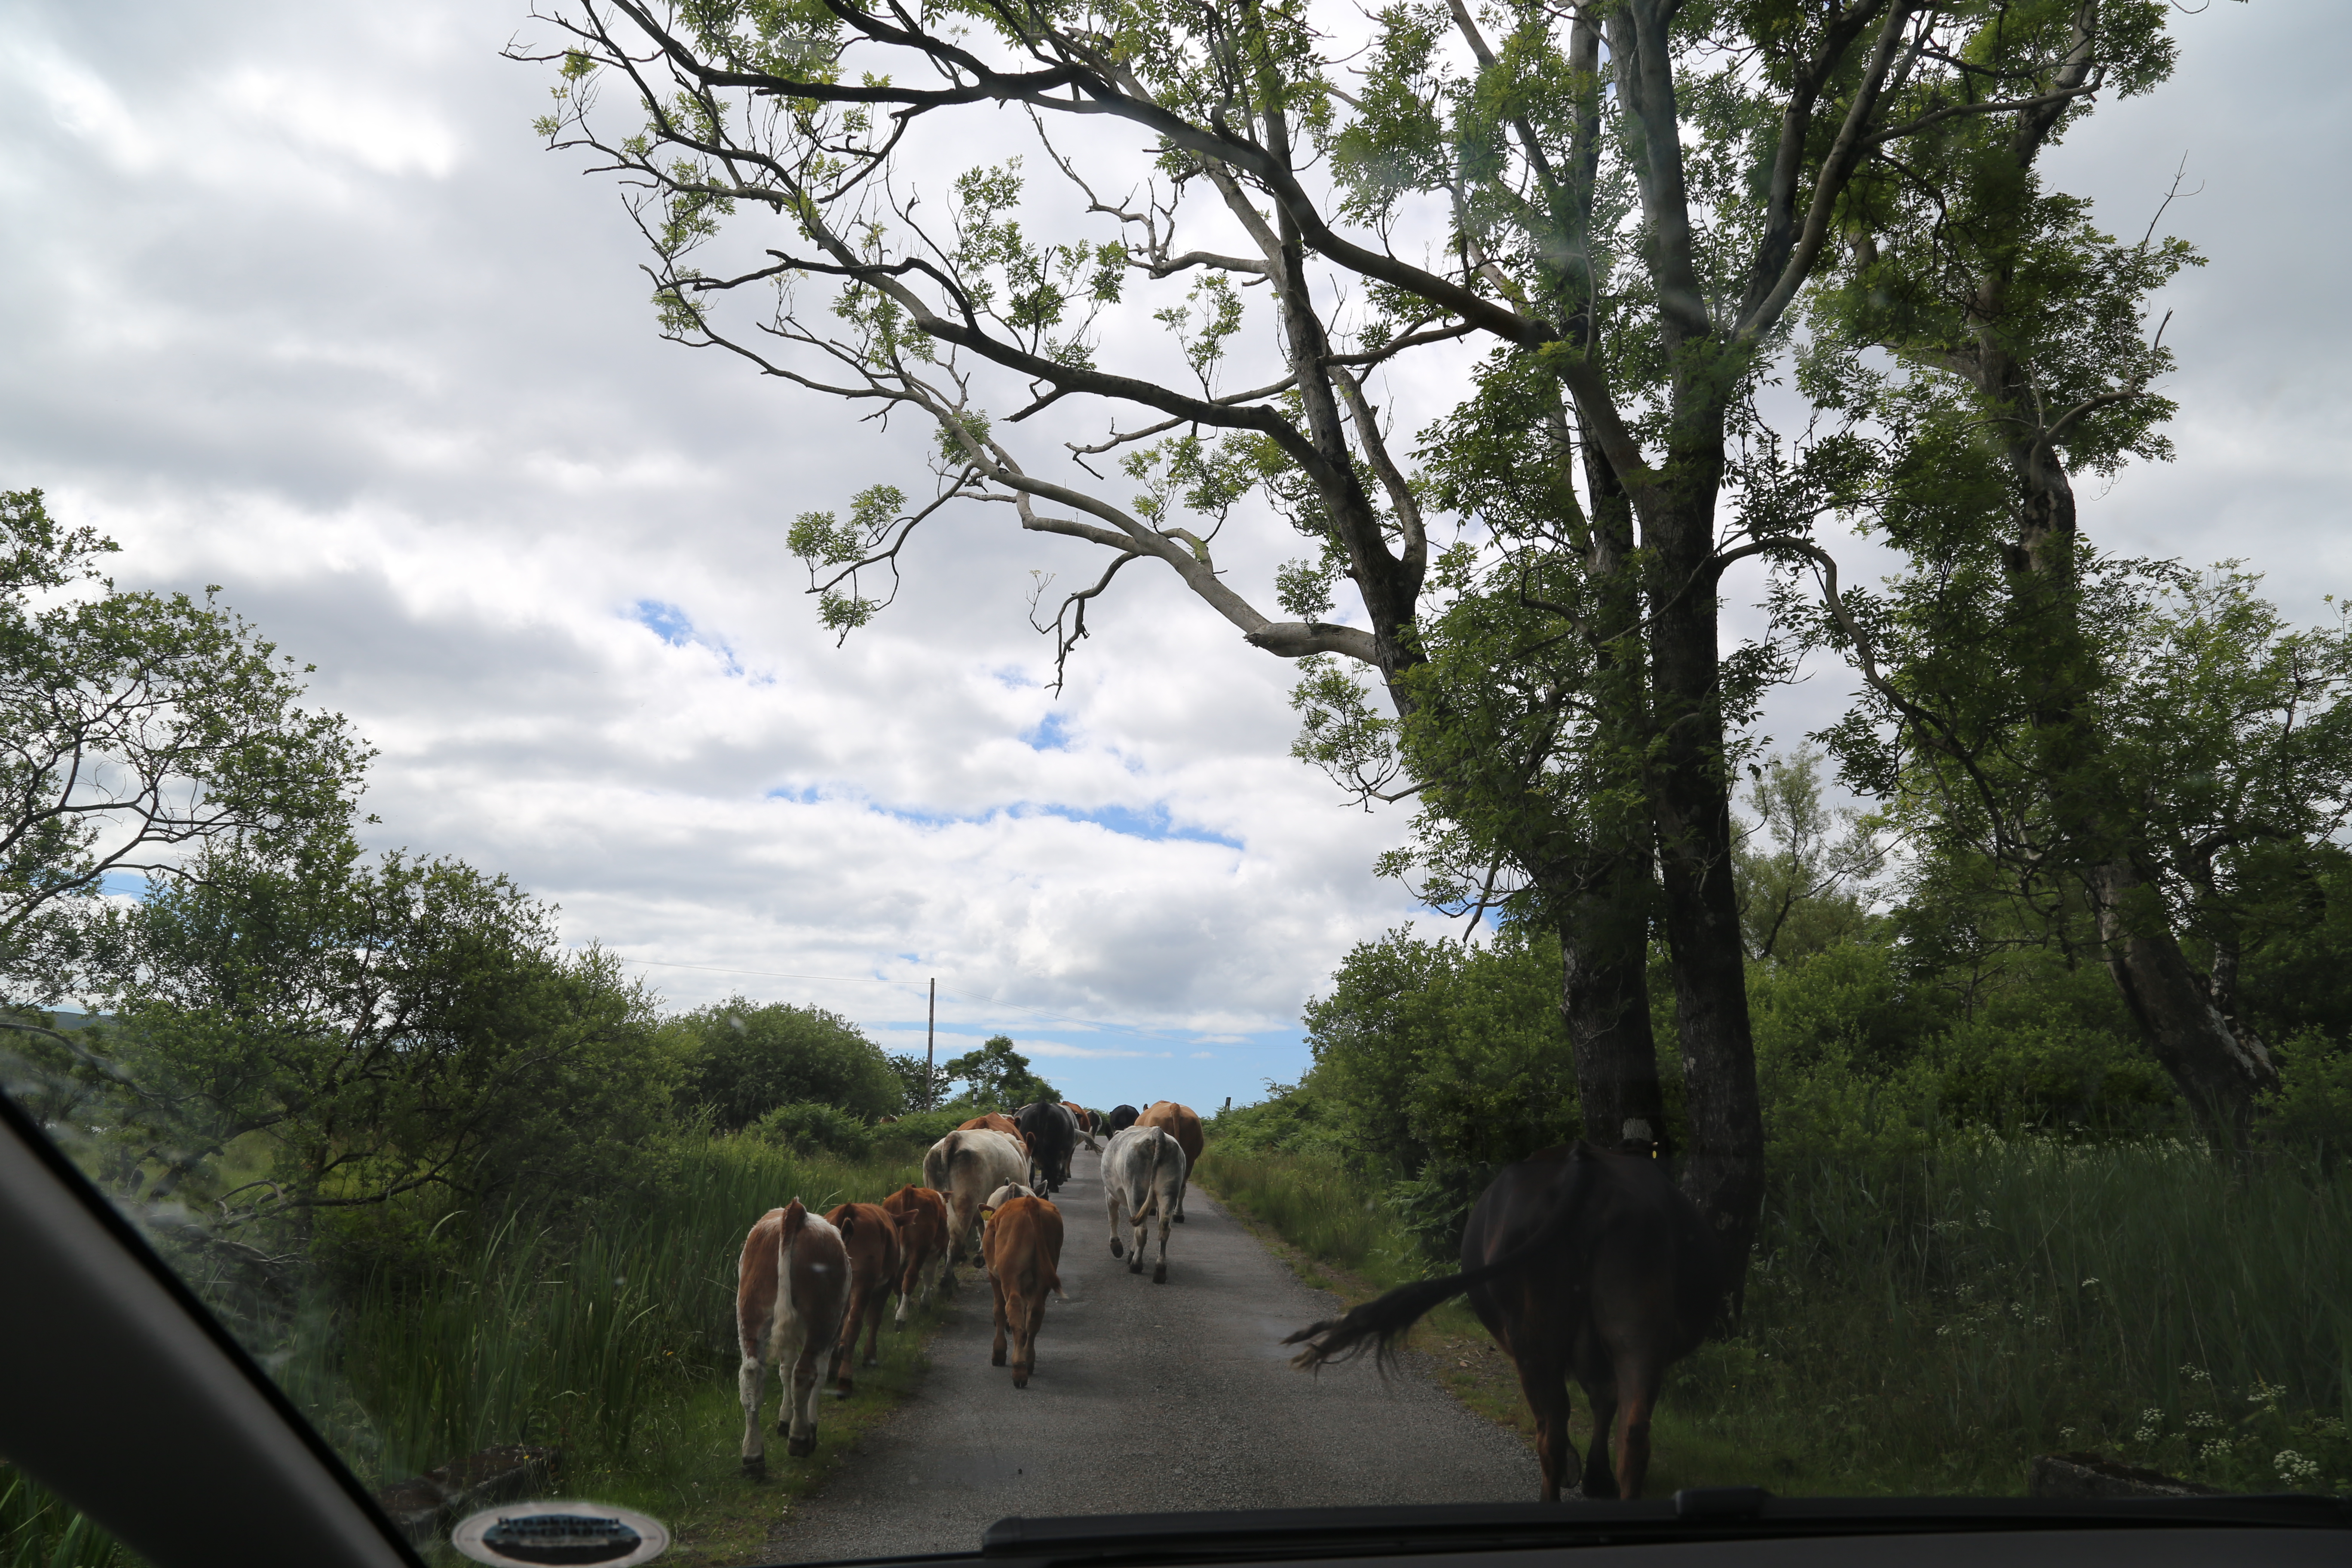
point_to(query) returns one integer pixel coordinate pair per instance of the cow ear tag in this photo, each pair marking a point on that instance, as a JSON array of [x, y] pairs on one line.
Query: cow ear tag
[[535, 1533]]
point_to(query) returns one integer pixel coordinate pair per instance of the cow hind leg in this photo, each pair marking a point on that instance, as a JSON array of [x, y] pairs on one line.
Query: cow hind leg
[[806, 1387], [1640, 1384], [1116, 1249], [996, 1354], [750, 1381], [838, 1370], [1599, 1476], [1159, 1273], [1544, 1381], [874, 1323], [1142, 1218], [1181, 1187]]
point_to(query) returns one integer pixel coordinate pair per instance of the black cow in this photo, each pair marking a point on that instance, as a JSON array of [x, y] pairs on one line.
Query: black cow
[[1053, 1135], [1122, 1117], [1577, 1261]]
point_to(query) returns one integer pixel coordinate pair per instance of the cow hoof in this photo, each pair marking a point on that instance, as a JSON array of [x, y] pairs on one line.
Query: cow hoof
[[1116, 1249], [1179, 1219], [756, 1469], [801, 1447], [996, 1360], [1020, 1380], [1159, 1275], [1136, 1266], [843, 1391]]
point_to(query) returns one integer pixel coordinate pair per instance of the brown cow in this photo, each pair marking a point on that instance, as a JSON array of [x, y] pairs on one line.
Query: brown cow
[[791, 1287], [921, 1215], [1578, 1262], [1022, 1245], [870, 1235], [995, 1121], [1183, 1126]]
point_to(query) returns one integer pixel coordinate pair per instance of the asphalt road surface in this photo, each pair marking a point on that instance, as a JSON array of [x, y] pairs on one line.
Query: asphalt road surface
[[1147, 1398]]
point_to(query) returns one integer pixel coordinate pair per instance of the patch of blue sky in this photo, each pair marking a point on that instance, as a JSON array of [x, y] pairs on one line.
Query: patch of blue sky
[[667, 622], [118, 884], [1014, 676], [1152, 823], [1051, 733], [671, 624]]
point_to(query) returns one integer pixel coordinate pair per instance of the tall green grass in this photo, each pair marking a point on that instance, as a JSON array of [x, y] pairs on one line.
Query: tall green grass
[[575, 1337], [1319, 1208], [611, 1336], [1928, 1324], [39, 1529]]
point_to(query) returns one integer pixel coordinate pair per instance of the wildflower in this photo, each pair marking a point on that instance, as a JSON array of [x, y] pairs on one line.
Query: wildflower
[[2293, 1469], [1943, 1330], [1984, 1219], [2215, 1448], [2196, 1373], [2088, 1283], [2066, 1434], [2203, 1418]]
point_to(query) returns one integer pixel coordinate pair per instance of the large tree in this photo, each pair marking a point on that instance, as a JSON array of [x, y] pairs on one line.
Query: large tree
[[2012, 677], [1727, 134], [134, 728]]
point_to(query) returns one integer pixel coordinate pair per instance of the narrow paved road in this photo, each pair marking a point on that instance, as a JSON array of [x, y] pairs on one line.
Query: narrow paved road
[[1148, 1397]]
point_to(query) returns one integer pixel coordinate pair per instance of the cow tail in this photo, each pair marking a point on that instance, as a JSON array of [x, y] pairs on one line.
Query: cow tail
[[1382, 1321], [1151, 1180], [785, 1320]]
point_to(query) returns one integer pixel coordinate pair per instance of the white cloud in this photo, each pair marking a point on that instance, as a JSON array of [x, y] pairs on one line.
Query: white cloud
[[294, 303]]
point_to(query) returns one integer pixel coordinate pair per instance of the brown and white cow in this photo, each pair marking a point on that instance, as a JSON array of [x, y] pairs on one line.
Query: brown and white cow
[[870, 1236], [1184, 1126], [1143, 1174], [790, 1288], [921, 1215], [964, 1167], [1023, 1252]]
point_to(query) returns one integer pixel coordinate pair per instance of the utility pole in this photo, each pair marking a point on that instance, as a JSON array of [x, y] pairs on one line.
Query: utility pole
[[930, 1083]]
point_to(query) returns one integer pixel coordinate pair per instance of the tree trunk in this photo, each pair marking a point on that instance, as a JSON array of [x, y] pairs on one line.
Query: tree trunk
[[2218, 1068], [1604, 912], [1723, 1168], [1604, 949]]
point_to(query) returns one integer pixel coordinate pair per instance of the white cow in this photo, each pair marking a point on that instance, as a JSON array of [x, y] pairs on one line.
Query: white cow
[[964, 1167], [1143, 1172]]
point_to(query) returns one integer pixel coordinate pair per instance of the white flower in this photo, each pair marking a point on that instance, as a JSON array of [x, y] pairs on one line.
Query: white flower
[[2088, 1283], [2218, 1448], [2293, 1469]]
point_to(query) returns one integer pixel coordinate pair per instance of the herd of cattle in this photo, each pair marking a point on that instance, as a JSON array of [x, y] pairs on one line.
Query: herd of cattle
[[1581, 1262], [808, 1285]]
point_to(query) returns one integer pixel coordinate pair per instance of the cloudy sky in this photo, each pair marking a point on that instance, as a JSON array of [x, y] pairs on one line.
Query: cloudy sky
[[291, 301]]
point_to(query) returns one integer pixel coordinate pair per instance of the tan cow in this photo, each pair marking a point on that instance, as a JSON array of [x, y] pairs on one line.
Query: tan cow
[[921, 1215], [792, 1286], [1183, 1126], [964, 1167], [1023, 1250], [871, 1238]]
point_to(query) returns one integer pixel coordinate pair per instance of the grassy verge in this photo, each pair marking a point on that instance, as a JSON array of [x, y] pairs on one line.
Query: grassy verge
[[612, 1339], [1927, 1325]]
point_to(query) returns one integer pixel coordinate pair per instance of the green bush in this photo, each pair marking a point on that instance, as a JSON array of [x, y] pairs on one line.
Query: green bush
[[744, 1060], [812, 1129]]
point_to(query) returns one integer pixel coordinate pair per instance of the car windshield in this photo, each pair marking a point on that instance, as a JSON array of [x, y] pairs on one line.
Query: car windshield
[[1335, 755]]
